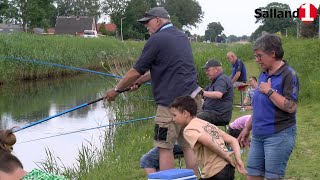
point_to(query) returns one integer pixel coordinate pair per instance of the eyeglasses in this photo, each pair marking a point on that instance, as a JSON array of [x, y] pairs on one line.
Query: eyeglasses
[[259, 56]]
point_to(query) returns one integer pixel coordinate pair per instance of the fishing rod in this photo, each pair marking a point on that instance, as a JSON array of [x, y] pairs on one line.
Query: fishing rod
[[64, 112]]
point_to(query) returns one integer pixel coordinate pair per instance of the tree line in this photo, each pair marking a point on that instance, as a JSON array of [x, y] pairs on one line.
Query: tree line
[[184, 14], [43, 13]]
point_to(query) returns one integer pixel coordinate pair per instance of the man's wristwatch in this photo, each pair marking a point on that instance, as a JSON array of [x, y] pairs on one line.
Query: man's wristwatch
[[270, 92]]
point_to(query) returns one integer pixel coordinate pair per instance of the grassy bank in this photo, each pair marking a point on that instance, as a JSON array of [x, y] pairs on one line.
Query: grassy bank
[[120, 157], [67, 50]]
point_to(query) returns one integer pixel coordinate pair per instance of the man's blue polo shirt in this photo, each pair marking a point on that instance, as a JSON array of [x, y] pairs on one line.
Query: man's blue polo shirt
[[168, 56], [268, 119], [239, 66]]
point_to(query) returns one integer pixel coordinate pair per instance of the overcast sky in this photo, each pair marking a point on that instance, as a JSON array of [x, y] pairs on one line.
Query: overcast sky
[[237, 16]]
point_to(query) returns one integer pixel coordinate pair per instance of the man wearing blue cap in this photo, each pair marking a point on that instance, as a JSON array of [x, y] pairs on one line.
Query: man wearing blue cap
[[167, 61]]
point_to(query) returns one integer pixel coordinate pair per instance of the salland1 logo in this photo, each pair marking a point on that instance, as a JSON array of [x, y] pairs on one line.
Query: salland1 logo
[[306, 13]]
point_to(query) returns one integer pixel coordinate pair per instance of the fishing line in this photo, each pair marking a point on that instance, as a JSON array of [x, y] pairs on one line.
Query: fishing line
[[87, 129]]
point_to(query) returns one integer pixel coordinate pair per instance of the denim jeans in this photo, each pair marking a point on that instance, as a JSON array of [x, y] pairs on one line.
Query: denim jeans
[[151, 159], [269, 155]]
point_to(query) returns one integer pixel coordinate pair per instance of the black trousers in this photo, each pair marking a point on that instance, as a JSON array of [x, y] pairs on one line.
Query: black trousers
[[212, 118], [227, 173]]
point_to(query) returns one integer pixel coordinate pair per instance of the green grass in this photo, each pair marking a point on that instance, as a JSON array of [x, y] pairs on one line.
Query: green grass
[[120, 157], [304, 161]]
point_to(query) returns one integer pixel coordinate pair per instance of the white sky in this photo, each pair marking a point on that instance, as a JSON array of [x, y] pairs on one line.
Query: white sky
[[237, 16]]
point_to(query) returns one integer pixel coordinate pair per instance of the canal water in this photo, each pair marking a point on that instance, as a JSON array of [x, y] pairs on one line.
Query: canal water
[[24, 103]]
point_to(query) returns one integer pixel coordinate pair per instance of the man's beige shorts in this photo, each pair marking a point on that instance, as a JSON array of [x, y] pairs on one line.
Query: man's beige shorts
[[166, 132]]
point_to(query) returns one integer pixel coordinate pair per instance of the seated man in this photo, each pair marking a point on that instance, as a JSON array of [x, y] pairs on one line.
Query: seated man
[[207, 142], [218, 96], [249, 94], [150, 161]]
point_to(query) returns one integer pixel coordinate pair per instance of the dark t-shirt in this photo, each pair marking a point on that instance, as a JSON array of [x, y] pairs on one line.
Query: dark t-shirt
[[221, 106], [168, 56], [239, 66], [267, 118]]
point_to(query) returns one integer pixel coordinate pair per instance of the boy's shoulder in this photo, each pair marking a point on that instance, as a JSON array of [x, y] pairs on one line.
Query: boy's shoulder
[[196, 122]]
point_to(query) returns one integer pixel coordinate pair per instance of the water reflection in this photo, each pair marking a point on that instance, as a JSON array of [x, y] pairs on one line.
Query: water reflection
[[25, 103]]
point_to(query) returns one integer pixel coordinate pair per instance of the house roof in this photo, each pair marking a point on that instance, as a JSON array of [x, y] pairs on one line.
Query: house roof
[[74, 24]]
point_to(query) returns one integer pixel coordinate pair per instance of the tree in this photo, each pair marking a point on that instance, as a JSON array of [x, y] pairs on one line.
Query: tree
[[40, 13], [214, 29], [199, 38], [134, 11], [232, 38], [32, 13], [187, 33], [183, 12], [79, 8], [244, 38], [21, 11], [273, 25], [4, 8], [308, 30], [65, 7], [113, 7]]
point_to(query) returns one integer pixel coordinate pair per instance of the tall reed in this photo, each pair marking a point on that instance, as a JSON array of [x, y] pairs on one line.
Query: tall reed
[[66, 50]]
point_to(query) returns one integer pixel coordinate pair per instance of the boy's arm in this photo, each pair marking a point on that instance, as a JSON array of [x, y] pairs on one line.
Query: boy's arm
[[234, 144], [206, 140]]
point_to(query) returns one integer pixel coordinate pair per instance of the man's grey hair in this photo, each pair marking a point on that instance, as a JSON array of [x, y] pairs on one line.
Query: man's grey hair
[[268, 43]]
